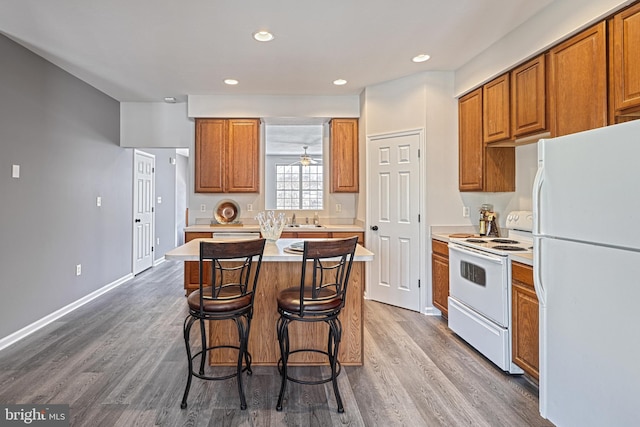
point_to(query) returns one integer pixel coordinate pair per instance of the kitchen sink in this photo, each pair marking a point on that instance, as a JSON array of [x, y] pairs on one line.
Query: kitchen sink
[[304, 226]]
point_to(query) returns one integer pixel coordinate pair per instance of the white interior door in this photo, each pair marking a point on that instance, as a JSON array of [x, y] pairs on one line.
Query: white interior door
[[394, 208], [143, 211]]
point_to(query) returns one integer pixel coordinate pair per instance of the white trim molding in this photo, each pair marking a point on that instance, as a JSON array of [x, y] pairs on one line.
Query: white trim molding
[[29, 329]]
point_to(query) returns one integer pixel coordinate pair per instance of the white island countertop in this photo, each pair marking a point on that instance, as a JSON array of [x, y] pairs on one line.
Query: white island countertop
[[248, 228], [190, 251]]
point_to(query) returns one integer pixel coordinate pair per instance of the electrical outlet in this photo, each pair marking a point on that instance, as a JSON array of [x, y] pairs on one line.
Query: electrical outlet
[[159, 199], [203, 208], [157, 240], [78, 269], [249, 207], [338, 207], [465, 211], [98, 201]]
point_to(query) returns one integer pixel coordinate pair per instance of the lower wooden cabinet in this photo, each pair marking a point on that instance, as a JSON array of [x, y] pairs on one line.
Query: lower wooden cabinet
[[525, 323], [440, 276]]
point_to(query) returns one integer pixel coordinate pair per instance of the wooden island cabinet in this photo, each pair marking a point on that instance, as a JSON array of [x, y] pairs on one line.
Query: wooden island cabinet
[[525, 319], [282, 270]]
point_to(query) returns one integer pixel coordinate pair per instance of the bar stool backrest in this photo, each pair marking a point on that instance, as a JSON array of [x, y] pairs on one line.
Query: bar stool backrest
[[229, 270], [326, 266]]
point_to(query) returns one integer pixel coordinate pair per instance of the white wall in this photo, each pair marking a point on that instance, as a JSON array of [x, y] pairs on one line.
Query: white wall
[[555, 22]]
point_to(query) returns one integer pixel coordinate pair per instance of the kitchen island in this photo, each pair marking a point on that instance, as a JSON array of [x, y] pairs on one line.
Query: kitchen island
[[282, 270]]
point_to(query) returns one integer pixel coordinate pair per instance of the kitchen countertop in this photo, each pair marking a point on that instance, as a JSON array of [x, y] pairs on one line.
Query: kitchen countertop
[[526, 259], [235, 228], [272, 251]]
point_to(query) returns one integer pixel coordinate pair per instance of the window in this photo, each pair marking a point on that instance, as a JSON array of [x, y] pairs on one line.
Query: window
[[294, 174], [298, 186]]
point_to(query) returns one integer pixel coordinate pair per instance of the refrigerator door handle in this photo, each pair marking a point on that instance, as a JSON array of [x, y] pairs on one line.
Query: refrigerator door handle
[[537, 189], [537, 279]]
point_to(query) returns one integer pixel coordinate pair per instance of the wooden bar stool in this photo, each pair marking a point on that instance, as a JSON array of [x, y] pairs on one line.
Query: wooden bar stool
[[321, 294], [235, 267]]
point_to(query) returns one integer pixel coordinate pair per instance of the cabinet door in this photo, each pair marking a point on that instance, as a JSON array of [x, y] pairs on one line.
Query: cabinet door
[[626, 59], [346, 234], [525, 321], [471, 146], [209, 155], [481, 168], [578, 90], [440, 276], [344, 156], [529, 97], [496, 112], [243, 156]]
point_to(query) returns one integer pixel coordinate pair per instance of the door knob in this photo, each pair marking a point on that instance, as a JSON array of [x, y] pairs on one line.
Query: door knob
[[137, 219], [374, 227]]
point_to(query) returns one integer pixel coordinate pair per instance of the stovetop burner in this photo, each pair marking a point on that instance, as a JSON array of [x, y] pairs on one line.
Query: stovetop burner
[[506, 241], [509, 248], [476, 241]]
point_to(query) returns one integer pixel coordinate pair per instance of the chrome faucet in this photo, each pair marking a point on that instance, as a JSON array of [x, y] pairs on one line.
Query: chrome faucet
[[293, 219]]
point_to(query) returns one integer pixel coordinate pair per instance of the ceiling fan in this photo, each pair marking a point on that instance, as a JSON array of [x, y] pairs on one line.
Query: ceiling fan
[[306, 159]]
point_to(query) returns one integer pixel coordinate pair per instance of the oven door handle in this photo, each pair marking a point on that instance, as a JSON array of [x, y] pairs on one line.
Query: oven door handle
[[474, 252]]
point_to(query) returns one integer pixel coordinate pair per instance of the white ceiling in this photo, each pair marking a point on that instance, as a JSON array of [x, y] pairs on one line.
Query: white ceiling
[[144, 50]]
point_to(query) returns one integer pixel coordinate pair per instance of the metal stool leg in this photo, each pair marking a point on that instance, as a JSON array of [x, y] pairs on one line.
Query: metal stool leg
[[283, 340], [188, 322], [335, 335]]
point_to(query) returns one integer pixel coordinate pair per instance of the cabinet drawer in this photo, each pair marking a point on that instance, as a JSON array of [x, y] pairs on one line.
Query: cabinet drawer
[[440, 247], [522, 273]]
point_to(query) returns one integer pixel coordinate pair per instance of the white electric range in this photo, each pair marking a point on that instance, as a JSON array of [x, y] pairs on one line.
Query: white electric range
[[480, 288]]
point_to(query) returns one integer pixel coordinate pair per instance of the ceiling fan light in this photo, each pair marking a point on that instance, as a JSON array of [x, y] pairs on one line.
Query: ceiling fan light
[[305, 161]]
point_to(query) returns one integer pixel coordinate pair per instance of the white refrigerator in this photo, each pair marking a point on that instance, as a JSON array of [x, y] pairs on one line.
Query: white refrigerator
[[586, 199]]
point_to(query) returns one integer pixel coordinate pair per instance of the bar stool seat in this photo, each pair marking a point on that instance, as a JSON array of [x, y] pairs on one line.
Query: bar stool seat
[[320, 296]]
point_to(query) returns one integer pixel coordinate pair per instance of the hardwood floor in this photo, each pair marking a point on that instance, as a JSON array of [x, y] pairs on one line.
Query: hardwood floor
[[120, 361]]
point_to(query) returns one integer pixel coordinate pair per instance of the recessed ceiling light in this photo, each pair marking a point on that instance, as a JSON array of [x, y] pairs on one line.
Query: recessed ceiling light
[[263, 36], [340, 82], [231, 81], [170, 99], [420, 58]]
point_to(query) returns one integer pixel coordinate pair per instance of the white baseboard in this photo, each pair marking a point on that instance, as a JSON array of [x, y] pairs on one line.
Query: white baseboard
[[29, 329], [158, 261], [432, 311]]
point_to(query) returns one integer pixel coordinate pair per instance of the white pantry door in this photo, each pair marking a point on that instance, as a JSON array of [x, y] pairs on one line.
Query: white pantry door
[[394, 209], [143, 211]]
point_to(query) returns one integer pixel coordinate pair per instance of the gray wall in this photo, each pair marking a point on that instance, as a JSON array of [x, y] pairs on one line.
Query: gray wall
[[64, 134]]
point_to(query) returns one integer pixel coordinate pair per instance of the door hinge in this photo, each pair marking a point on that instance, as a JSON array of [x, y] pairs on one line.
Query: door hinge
[[418, 283], [153, 170], [418, 153], [418, 217], [152, 249], [153, 209]]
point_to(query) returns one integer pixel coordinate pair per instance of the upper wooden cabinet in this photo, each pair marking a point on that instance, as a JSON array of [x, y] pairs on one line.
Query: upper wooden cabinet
[[626, 61], [495, 104], [344, 156], [227, 156], [529, 98], [481, 168], [578, 82]]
